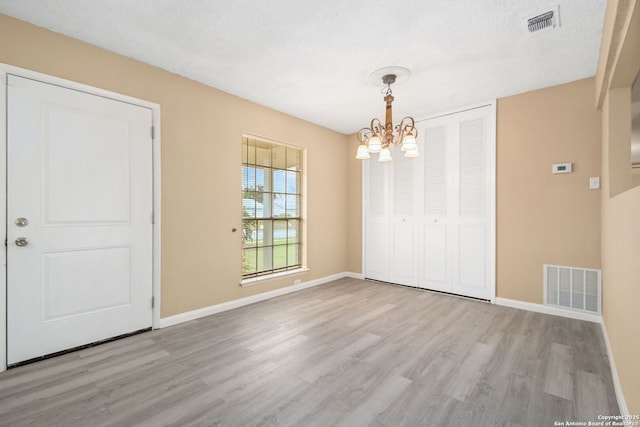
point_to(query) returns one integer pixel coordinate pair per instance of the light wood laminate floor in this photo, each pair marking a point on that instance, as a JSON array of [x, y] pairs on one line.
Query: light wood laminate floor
[[351, 352]]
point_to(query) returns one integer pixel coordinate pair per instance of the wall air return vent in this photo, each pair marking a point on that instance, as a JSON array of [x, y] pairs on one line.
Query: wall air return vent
[[573, 288], [544, 20]]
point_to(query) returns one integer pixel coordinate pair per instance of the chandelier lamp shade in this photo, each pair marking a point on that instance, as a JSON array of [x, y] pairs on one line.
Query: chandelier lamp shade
[[379, 138]]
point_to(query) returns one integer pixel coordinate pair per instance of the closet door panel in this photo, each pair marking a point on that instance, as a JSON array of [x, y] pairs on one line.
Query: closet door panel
[[434, 252], [376, 221], [376, 250], [376, 197], [434, 261], [472, 220], [434, 170], [472, 193], [403, 266], [471, 261], [402, 223]]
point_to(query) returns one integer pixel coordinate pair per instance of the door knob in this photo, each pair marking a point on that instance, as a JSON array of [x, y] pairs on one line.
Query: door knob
[[22, 222], [22, 241]]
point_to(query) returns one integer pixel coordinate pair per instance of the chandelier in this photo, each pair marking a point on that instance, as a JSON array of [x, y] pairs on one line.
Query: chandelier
[[379, 138]]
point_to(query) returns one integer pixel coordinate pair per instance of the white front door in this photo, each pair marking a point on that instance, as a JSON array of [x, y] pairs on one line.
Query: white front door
[[79, 224]]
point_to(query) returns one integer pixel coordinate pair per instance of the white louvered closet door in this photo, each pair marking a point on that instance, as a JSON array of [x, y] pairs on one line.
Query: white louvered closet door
[[403, 220], [457, 254], [472, 219], [376, 220], [436, 137], [391, 241]]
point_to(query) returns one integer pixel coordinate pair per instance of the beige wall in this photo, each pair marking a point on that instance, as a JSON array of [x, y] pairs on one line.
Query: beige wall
[[620, 205], [201, 173], [544, 218]]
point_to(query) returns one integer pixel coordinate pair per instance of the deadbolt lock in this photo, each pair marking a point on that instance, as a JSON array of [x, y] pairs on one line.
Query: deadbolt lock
[[22, 222]]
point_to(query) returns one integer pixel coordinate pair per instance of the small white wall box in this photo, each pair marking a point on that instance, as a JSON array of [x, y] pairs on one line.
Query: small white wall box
[[561, 168]]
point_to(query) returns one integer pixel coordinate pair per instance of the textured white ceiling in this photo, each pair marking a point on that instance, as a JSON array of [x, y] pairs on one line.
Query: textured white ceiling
[[312, 58]]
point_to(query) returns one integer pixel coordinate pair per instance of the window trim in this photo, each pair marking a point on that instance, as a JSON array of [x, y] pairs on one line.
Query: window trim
[[251, 281]]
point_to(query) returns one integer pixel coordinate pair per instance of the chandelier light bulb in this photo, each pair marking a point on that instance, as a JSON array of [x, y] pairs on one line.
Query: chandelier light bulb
[[409, 143], [363, 152], [385, 155], [375, 144], [410, 147], [412, 153]]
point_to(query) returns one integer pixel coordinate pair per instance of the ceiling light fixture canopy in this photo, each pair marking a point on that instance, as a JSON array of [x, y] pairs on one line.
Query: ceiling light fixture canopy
[[379, 138]]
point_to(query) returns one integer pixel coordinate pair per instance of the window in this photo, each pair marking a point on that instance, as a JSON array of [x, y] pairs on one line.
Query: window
[[271, 205]]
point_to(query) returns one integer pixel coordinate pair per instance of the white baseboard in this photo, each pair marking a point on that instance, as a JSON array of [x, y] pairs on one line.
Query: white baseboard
[[354, 275], [230, 305], [622, 404], [546, 309]]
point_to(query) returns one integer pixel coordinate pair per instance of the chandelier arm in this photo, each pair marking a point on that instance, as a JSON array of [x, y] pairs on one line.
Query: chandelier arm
[[364, 134], [406, 125], [376, 126]]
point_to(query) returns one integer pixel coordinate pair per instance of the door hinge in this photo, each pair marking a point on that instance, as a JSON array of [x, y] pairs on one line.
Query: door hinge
[[153, 302], [153, 133], [153, 217]]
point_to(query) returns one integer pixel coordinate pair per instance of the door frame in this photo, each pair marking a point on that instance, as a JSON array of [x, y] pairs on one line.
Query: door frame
[[6, 69], [492, 170]]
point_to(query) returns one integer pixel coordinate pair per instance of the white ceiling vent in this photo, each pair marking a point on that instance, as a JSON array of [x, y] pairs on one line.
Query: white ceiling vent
[[541, 21]]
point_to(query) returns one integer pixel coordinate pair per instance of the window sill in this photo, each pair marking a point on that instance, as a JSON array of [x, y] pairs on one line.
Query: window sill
[[266, 278]]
